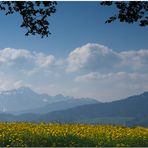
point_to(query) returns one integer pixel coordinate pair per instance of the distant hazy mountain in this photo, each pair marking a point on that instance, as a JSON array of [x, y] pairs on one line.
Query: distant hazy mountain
[[61, 105], [130, 111], [24, 100], [132, 108]]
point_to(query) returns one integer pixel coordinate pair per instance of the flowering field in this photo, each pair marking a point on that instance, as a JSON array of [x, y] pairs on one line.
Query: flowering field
[[45, 135]]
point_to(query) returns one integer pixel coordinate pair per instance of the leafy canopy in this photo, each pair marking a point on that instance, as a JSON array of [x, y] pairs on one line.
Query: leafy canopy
[[129, 12], [34, 14]]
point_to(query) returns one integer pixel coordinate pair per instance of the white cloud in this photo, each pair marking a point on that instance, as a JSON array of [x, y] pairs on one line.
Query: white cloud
[[89, 77], [43, 60], [8, 55], [9, 84], [97, 77], [92, 57], [136, 60], [98, 71], [112, 86], [25, 60], [96, 57], [30, 72]]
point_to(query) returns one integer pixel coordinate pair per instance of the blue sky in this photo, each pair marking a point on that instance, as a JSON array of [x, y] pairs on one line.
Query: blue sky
[[83, 57]]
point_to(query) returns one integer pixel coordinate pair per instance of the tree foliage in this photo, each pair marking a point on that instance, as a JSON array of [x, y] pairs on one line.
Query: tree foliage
[[129, 12], [34, 14]]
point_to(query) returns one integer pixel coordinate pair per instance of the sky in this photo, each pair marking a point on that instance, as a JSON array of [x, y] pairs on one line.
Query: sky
[[83, 56]]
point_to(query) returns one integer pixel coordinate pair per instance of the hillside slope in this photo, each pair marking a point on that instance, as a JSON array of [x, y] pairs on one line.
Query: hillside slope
[[131, 107], [130, 111]]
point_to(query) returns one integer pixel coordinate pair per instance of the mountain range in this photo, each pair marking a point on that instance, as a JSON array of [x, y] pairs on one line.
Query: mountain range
[[131, 111], [25, 100], [124, 111]]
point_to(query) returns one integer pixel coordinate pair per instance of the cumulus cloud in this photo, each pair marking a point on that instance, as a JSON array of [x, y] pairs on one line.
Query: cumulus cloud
[[8, 55], [43, 60], [136, 60], [92, 57], [96, 57], [26, 60], [97, 71]]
